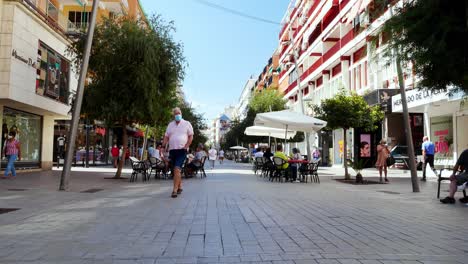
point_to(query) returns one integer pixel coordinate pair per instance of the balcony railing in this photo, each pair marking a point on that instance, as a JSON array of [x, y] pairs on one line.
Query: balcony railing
[[51, 15]]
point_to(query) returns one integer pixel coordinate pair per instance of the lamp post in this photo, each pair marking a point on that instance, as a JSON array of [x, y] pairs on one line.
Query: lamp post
[[78, 101], [298, 83]]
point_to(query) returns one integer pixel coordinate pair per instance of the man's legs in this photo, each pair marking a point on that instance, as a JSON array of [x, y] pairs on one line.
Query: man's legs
[[177, 180], [424, 168]]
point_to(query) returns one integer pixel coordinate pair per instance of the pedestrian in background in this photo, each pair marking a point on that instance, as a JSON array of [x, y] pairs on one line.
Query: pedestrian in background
[[382, 155], [179, 136], [115, 154], [12, 150], [212, 154], [428, 150], [221, 156]]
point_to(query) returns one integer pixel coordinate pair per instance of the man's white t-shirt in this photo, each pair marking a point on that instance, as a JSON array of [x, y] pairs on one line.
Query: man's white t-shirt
[[258, 154], [212, 154], [221, 153], [178, 134]]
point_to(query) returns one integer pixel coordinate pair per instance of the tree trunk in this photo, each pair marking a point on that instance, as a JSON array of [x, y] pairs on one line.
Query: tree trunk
[[118, 174], [345, 154]]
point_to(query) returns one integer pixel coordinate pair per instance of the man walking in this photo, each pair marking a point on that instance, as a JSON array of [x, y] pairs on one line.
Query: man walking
[[212, 154], [179, 135], [428, 155]]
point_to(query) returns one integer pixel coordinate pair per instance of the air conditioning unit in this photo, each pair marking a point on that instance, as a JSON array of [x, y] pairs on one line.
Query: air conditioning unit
[[364, 19]]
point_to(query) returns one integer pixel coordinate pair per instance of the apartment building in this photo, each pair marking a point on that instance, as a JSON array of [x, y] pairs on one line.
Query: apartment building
[[37, 76], [338, 44], [269, 77], [240, 111]]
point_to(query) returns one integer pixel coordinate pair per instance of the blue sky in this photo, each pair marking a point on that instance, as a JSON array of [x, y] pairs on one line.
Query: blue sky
[[222, 49]]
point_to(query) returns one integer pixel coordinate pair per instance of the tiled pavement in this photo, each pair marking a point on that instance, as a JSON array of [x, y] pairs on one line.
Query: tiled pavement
[[231, 216]]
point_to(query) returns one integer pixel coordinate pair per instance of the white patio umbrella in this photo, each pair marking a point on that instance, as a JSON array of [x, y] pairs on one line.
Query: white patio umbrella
[[237, 148], [289, 120], [269, 132]]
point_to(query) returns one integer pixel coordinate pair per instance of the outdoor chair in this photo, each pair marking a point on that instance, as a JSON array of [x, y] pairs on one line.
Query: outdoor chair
[[440, 179], [309, 170], [259, 163], [201, 168], [159, 168], [139, 167], [279, 171]]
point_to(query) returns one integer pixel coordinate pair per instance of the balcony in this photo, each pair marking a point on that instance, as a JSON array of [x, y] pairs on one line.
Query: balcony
[[51, 15]]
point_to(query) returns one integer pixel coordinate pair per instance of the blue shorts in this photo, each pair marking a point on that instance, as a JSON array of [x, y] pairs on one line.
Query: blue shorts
[[177, 157]]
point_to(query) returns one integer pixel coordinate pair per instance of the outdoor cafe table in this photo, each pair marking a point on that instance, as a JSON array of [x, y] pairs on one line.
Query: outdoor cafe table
[[298, 161]]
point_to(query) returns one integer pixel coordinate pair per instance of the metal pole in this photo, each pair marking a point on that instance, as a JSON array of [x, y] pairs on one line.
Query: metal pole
[[87, 143], [298, 83], [78, 101], [409, 134]]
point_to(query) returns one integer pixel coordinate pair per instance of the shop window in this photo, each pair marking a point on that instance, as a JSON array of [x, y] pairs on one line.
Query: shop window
[[53, 74], [28, 129]]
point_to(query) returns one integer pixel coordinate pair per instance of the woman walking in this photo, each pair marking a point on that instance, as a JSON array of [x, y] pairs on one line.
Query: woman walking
[[382, 155], [12, 150]]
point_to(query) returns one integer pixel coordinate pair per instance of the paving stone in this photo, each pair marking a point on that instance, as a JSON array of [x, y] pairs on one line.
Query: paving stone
[[229, 217]]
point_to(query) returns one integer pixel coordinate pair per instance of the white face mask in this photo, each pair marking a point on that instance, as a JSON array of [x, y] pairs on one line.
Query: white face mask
[[10, 137]]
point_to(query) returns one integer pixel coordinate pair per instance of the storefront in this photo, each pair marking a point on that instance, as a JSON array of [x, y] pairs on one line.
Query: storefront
[[93, 141], [36, 82], [444, 117], [28, 128]]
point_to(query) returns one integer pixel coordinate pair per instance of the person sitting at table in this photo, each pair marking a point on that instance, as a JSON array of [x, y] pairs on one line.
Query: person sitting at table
[[197, 159], [294, 166], [279, 154], [259, 153], [159, 154], [268, 154]]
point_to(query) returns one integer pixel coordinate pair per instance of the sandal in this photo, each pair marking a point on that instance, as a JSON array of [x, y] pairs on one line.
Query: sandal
[[179, 191], [174, 195]]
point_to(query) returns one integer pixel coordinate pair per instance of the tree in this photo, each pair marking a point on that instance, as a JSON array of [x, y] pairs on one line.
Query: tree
[[197, 121], [134, 69], [433, 36], [264, 101], [348, 111]]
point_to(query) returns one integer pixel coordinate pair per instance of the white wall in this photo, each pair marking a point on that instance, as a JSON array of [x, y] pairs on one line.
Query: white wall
[[22, 31]]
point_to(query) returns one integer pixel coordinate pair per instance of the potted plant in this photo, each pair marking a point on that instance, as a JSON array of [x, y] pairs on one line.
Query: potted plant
[[358, 165]]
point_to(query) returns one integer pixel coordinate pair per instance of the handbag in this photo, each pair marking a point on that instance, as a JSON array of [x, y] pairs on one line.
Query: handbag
[[390, 161]]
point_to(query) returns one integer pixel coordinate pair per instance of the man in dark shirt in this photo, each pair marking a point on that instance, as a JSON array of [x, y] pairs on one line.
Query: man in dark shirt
[[458, 180]]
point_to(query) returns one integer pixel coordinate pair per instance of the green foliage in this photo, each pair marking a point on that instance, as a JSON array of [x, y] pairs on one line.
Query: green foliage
[[348, 110], [197, 121], [434, 36], [357, 164], [133, 71], [265, 101]]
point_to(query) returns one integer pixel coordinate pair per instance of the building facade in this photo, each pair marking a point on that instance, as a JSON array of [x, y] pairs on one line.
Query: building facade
[[37, 76], [269, 77], [338, 44], [240, 111]]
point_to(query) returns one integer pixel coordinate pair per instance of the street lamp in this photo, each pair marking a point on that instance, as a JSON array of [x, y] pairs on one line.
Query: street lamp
[[298, 83]]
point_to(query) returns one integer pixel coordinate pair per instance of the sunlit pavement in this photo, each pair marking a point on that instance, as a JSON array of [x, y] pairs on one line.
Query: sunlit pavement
[[232, 216]]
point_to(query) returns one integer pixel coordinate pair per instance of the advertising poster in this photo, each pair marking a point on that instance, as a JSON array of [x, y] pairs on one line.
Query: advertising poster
[[365, 146]]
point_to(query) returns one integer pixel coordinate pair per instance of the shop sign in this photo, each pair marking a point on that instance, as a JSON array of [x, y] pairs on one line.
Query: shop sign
[[27, 61], [382, 97], [418, 97]]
